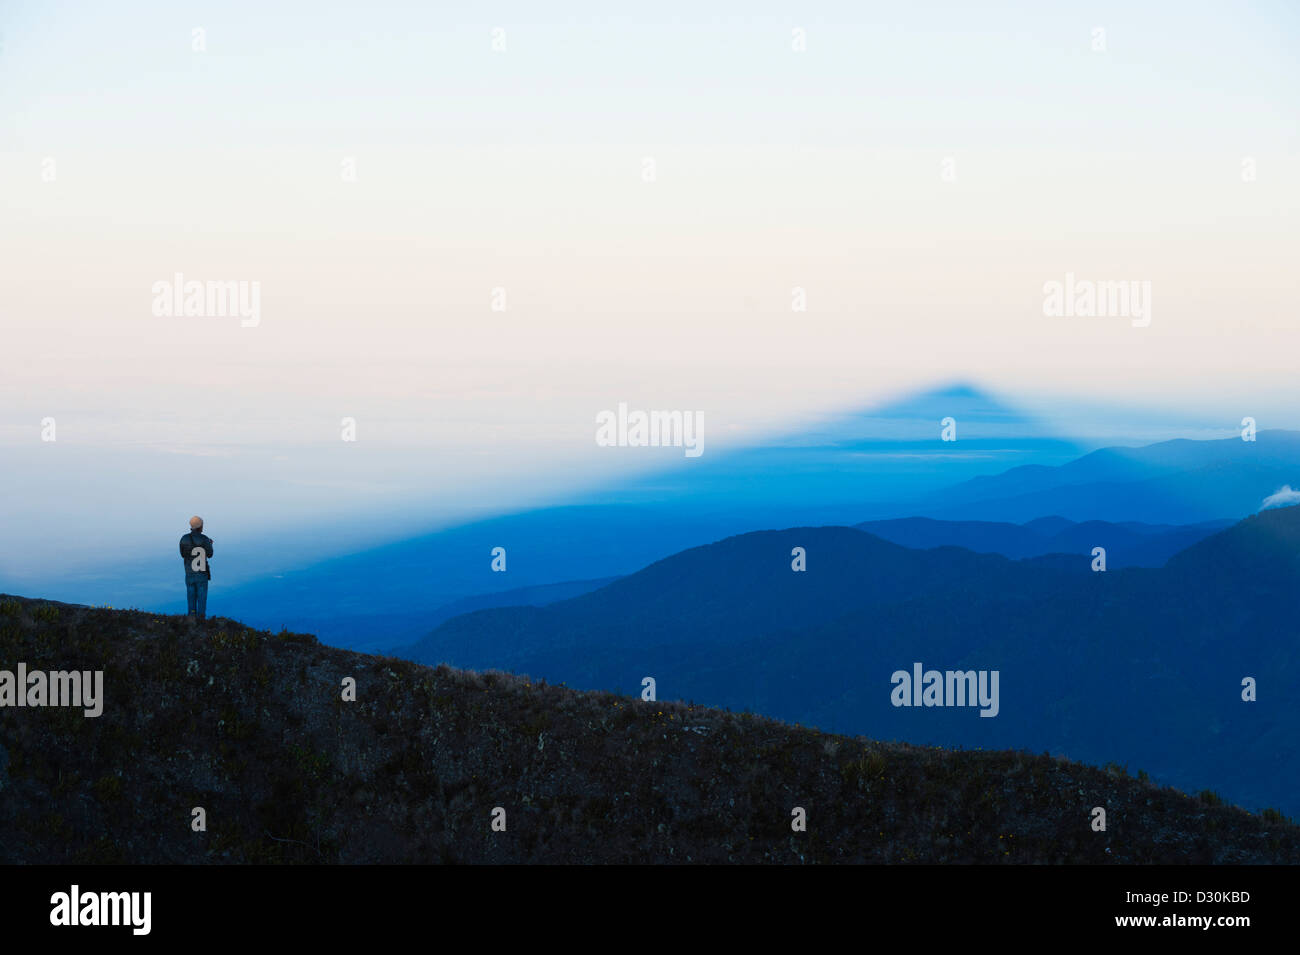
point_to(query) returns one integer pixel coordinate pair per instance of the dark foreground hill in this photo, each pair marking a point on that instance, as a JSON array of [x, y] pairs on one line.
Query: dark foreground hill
[[252, 727]]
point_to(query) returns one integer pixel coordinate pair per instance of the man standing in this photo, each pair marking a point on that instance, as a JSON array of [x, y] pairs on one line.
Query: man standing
[[196, 551]]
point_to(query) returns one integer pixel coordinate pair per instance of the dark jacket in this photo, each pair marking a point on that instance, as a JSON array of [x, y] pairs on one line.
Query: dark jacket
[[190, 541]]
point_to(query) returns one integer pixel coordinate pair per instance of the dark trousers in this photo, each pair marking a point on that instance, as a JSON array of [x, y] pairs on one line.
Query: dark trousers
[[196, 591]]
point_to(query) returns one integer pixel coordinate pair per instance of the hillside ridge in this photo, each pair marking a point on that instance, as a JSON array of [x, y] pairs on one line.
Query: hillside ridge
[[251, 726]]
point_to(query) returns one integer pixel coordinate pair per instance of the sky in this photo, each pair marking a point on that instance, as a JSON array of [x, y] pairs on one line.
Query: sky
[[649, 193]]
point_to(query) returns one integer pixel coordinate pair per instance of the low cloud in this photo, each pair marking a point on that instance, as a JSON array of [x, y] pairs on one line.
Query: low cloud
[[1282, 497]]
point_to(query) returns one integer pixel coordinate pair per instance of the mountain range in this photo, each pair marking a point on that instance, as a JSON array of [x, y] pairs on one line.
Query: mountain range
[[1160, 497], [1136, 665], [1128, 544], [1172, 482]]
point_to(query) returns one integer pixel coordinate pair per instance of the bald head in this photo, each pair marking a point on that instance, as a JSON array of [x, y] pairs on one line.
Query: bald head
[[196, 523]]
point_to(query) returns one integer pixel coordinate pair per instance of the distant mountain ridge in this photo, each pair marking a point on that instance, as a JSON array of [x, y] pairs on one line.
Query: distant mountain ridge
[[1172, 482], [702, 596], [1128, 544], [392, 595], [1135, 665]]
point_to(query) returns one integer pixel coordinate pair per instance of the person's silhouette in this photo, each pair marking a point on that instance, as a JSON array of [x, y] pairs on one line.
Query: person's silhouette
[[196, 551]]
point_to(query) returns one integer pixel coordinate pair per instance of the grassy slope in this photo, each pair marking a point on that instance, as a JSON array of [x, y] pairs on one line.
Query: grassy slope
[[251, 726]]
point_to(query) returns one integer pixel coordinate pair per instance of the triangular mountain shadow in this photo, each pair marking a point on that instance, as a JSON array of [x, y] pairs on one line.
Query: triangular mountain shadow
[[846, 466]]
